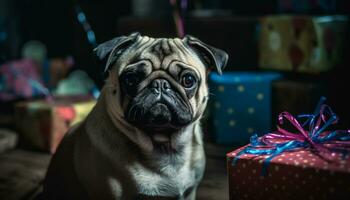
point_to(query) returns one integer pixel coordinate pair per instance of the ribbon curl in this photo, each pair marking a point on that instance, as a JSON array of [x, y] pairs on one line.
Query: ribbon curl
[[312, 134], [178, 12]]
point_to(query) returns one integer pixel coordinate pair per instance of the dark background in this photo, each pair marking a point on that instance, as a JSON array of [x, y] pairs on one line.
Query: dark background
[[55, 24], [233, 29], [232, 26]]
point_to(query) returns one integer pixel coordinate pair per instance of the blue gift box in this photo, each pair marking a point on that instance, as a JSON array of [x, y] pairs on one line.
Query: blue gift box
[[240, 105]]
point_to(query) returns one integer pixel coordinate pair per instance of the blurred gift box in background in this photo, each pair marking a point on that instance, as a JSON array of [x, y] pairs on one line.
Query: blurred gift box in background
[[240, 105], [42, 125]]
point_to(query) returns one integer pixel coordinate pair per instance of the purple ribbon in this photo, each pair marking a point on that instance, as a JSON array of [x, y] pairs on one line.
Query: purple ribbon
[[178, 16], [311, 134]]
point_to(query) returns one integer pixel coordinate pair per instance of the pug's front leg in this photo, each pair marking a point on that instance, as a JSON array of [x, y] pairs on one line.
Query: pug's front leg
[[190, 194]]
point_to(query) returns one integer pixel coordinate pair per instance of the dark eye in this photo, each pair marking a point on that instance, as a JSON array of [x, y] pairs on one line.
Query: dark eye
[[131, 79], [188, 80]]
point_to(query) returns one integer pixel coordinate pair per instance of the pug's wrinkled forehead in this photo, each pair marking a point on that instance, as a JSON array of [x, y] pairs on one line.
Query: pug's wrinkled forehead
[[170, 54], [158, 53]]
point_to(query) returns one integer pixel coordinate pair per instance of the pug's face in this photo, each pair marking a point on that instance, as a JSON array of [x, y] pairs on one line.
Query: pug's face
[[160, 97], [160, 84]]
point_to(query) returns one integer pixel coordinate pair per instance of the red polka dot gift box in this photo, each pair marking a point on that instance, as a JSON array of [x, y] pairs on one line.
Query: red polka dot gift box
[[310, 162]]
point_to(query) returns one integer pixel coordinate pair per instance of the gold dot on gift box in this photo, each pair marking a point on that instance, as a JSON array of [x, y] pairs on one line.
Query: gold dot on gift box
[[240, 88], [277, 168], [230, 110], [217, 104], [221, 88], [250, 130], [251, 110], [260, 96], [232, 123]]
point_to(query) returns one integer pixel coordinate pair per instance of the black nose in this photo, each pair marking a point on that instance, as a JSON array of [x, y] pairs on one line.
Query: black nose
[[160, 85]]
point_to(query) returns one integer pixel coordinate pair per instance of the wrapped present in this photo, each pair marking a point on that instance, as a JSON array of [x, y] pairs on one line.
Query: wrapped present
[[237, 100], [20, 79], [310, 162], [42, 124], [302, 43], [77, 83]]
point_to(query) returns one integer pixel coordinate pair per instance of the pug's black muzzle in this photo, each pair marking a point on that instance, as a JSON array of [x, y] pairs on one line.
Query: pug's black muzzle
[[159, 107]]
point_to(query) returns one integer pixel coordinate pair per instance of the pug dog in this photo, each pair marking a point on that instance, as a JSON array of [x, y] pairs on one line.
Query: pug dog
[[143, 139]]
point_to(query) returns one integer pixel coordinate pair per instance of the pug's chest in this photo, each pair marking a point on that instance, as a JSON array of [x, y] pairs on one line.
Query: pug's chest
[[173, 183]]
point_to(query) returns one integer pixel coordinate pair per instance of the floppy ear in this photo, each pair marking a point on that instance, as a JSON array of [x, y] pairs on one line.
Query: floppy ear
[[211, 55], [114, 48]]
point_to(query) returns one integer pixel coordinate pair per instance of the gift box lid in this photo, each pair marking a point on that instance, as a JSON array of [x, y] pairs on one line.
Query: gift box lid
[[237, 77], [304, 158]]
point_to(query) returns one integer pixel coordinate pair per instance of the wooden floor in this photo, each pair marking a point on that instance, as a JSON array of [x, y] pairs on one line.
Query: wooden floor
[[22, 172], [214, 185]]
